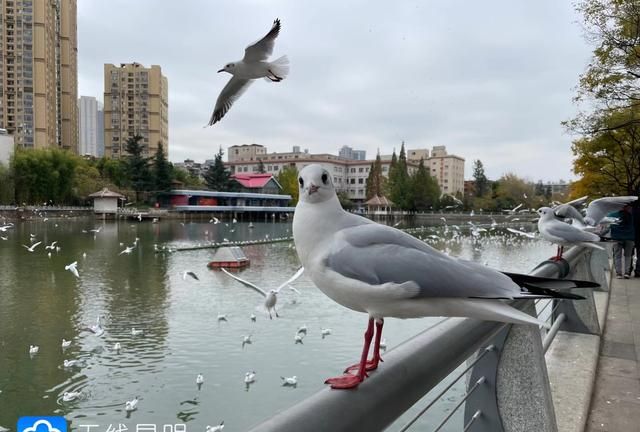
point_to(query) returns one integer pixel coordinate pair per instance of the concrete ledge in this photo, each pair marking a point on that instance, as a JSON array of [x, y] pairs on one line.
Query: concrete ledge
[[602, 303], [572, 361]]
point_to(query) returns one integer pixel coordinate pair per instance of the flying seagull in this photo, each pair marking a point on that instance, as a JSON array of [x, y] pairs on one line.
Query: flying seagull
[[73, 268], [385, 272], [253, 65], [32, 247], [271, 297]]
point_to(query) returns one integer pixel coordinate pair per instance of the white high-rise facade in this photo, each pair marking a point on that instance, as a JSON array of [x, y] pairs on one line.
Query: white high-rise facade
[[89, 131]]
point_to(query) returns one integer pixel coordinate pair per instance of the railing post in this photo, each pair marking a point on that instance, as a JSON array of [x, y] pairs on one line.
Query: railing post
[[516, 395]]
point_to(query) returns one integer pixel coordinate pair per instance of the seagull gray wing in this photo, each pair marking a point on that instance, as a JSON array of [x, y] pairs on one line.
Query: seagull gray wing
[[599, 208], [229, 94], [568, 211], [246, 283], [262, 49], [291, 280], [568, 232], [376, 255]]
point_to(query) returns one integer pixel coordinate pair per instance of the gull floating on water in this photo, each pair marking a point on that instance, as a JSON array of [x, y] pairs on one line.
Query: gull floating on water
[[216, 428], [271, 297], [297, 339], [222, 317], [250, 377], [72, 268], [253, 317], [254, 65], [136, 332], [33, 349], [325, 332], [70, 363], [289, 381], [131, 405], [65, 343], [246, 340], [384, 272], [70, 396], [117, 347], [199, 379]]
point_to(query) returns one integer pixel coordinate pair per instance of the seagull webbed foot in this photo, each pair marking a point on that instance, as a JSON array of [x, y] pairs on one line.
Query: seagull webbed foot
[[370, 365], [346, 381]]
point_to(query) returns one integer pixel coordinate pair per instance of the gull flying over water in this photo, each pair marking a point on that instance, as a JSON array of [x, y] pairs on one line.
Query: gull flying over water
[[72, 268], [253, 65], [32, 247], [271, 297], [189, 273], [384, 272]]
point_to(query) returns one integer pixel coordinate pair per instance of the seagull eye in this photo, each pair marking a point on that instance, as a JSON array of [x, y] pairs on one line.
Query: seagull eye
[[301, 182], [325, 178]]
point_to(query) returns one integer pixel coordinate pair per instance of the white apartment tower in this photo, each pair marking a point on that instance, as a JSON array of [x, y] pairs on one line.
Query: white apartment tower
[[89, 128]]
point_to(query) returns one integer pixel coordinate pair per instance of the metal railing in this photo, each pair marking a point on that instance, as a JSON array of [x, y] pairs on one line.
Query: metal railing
[[507, 383]]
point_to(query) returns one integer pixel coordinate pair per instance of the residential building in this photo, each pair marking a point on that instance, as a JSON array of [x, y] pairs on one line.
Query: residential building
[[349, 176], [39, 73], [100, 130], [136, 102], [89, 132], [347, 152], [560, 187], [6, 147], [414, 155], [246, 152], [447, 169]]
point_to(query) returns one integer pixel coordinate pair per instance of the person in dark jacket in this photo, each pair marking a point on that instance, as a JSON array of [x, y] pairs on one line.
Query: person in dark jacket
[[623, 235]]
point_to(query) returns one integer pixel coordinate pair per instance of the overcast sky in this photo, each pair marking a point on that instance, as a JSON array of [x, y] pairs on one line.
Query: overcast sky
[[491, 80]]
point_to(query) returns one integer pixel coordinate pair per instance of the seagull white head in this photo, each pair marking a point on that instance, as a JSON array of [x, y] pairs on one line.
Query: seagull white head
[[229, 67], [315, 184], [544, 211]]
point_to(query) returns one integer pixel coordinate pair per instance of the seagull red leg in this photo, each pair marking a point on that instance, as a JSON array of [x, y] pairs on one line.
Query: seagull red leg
[[375, 359], [348, 381]]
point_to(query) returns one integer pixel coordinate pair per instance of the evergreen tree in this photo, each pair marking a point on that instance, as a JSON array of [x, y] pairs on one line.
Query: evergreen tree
[[137, 166], [399, 187], [424, 189], [539, 191], [261, 169], [375, 180], [161, 170], [480, 179], [217, 176]]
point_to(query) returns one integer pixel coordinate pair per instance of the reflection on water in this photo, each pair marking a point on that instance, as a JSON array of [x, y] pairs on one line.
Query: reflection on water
[[41, 303]]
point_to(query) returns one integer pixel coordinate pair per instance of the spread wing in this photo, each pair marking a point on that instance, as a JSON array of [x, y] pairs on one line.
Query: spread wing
[[599, 208], [262, 49], [245, 283], [291, 280], [229, 94], [377, 254]]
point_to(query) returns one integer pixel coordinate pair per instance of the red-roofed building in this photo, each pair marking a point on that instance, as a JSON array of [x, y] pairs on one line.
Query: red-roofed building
[[257, 183]]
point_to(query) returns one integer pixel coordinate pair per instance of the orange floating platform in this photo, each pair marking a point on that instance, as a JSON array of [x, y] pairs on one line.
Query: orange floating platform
[[229, 257]]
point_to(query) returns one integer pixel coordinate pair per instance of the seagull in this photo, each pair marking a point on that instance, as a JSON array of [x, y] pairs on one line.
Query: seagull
[[65, 343], [246, 340], [217, 428], [597, 210], [199, 379], [127, 250], [289, 381], [189, 273], [383, 345], [52, 246], [325, 332], [253, 317], [136, 332], [562, 234], [250, 377], [384, 272], [72, 268], [214, 220], [253, 65], [70, 396], [271, 297], [222, 317], [298, 338], [117, 347], [302, 329], [32, 247], [33, 349], [131, 405], [70, 363], [97, 328]]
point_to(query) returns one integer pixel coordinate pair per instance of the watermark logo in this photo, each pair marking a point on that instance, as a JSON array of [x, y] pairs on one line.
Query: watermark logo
[[42, 424]]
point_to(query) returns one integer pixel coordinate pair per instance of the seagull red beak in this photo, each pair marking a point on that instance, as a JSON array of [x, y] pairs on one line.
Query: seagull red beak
[[313, 189], [221, 70]]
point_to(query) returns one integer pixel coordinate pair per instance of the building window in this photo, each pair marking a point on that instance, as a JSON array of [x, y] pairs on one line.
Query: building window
[[353, 170], [360, 170], [353, 181], [360, 181]]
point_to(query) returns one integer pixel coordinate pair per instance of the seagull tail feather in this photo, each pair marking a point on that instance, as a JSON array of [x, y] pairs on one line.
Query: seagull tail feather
[[280, 67]]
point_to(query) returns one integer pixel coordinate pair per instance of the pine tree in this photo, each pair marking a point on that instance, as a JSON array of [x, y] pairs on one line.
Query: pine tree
[[424, 189], [375, 180], [137, 166], [480, 179], [161, 170], [217, 176], [399, 187]]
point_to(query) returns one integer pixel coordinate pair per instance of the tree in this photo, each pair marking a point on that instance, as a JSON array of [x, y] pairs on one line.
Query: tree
[[217, 177], [261, 169], [137, 166], [512, 191], [7, 190], [399, 187], [375, 181], [162, 174], [43, 174], [288, 179], [481, 181], [425, 189], [186, 178]]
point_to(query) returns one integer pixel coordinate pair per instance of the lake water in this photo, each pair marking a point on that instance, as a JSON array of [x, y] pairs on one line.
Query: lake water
[[41, 303]]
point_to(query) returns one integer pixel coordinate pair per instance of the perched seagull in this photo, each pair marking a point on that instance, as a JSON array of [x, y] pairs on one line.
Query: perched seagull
[[33, 349], [289, 381], [216, 428], [70, 396], [131, 405], [72, 268], [385, 272], [189, 273], [271, 297], [32, 247], [65, 343], [254, 65], [250, 377], [246, 340], [562, 234], [325, 332]]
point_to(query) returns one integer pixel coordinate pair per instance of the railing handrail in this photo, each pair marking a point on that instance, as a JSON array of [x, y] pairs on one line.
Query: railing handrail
[[410, 371]]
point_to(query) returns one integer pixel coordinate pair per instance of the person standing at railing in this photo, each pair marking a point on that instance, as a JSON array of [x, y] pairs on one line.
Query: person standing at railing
[[623, 235], [636, 225]]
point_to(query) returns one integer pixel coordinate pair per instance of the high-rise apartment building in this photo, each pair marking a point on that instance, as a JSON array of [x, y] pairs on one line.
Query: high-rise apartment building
[[39, 72], [89, 130], [135, 103], [347, 152]]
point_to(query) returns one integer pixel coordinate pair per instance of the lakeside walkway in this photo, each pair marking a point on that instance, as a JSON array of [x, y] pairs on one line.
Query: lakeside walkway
[[615, 403]]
